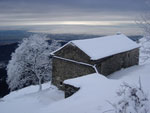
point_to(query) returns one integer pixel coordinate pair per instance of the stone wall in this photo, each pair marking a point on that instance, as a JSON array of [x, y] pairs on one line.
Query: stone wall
[[132, 58], [118, 61], [69, 90], [62, 70], [72, 52]]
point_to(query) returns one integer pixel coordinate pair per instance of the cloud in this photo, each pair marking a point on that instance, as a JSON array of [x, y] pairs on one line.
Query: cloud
[[70, 12], [39, 6]]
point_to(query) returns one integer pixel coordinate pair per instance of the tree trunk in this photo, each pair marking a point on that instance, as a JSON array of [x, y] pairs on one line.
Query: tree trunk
[[40, 84]]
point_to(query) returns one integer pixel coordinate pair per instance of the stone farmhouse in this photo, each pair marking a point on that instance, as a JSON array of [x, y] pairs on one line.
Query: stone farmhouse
[[103, 55]]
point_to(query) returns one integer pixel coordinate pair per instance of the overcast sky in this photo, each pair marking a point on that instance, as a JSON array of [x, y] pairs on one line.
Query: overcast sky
[[73, 16]]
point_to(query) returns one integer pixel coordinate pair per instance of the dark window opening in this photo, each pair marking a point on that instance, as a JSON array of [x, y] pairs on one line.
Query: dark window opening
[[61, 83]]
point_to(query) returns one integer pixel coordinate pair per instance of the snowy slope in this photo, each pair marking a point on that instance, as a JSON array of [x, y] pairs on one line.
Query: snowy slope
[[131, 75], [28, 100], [93, 96], [95, 91]]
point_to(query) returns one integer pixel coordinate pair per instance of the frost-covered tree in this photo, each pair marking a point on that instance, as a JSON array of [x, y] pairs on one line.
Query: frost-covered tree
[[30, 63], [132, 99], [144, 49], [144, 23]]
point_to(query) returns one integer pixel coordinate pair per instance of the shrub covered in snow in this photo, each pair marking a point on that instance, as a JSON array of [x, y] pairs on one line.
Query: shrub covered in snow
[[132, 99], [30, 63], [145, 49]]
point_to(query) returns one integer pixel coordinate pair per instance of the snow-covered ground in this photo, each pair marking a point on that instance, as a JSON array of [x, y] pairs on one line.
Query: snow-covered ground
[[29, 100], [93, 96]]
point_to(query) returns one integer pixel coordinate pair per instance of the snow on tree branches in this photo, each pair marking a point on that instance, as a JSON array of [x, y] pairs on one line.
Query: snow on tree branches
[[30, 63], [132, 99], [144, 23]]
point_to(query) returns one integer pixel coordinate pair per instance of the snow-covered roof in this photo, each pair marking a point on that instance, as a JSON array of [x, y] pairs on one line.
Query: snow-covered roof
[[97, 48], [82, 81]]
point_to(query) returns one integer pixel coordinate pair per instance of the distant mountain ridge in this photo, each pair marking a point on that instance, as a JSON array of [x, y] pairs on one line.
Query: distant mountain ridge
[[6, 51], [12, 36]]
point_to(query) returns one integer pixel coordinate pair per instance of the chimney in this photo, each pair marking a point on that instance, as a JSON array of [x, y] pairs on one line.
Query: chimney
[[118, 33]]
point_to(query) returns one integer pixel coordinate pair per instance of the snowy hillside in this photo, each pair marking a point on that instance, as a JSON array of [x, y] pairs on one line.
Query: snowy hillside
[[92, 97], [28, 100]]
